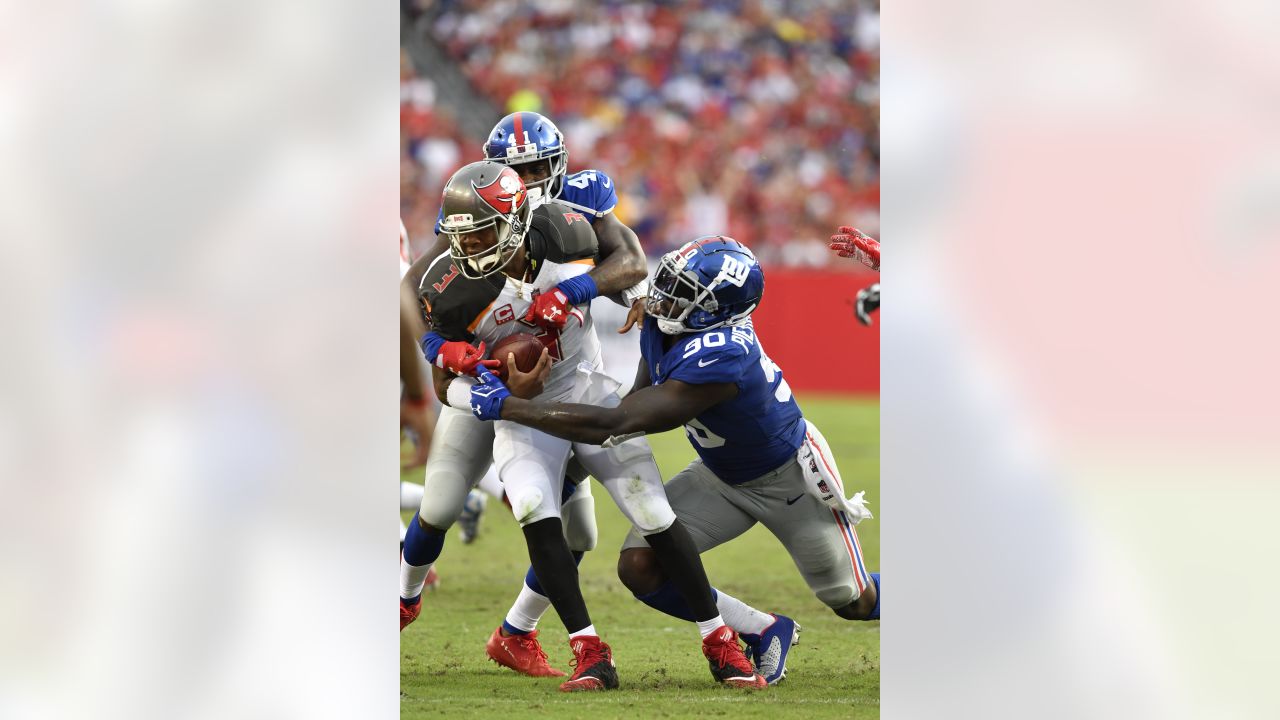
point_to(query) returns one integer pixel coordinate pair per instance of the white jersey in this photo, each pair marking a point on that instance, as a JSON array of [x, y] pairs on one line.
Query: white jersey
[[560, 245]]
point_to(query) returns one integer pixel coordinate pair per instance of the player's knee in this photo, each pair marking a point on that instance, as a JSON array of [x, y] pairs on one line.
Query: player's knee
[[528, 506], [639, 571], [434, 529], [860, 607]]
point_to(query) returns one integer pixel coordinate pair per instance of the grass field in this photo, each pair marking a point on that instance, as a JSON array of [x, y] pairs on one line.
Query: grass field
[[834, 672]]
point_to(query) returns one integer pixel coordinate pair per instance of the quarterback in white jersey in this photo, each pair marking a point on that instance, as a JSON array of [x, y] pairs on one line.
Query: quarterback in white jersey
[[503, 256]]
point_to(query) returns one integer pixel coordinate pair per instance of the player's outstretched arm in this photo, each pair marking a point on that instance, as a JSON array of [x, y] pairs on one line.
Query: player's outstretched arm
[[647, 410]]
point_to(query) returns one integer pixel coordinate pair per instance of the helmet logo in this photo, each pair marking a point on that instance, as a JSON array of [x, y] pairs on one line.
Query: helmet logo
[[457, 219], [505, 194], [734, 271]]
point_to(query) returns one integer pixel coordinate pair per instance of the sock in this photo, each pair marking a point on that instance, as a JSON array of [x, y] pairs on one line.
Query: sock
[[706, 627], [875, 612], [530, 605], [491, 484], [588, 630], [421, 550], [669, 600], [678, 557], [410, 495], [741, 616], [556, 571]]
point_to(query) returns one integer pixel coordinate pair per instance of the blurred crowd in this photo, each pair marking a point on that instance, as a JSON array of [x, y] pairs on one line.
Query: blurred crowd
[[755, 117]]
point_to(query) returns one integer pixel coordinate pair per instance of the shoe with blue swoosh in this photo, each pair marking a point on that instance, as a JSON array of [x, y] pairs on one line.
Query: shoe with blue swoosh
[[769, 649]]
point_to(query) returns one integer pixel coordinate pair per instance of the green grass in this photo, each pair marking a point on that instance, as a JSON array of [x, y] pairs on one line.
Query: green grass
[[834, 672]]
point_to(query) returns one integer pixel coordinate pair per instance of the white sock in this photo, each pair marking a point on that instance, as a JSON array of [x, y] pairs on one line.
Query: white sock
[[741, 616], [706, 627], [410, 495], [588, 630], [528, 609], [412, 578], [491, 484]]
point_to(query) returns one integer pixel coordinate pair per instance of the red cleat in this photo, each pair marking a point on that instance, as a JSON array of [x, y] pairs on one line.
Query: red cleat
[[594, 662], [433, 581], [729, 664], [409, 613], [521, 653]]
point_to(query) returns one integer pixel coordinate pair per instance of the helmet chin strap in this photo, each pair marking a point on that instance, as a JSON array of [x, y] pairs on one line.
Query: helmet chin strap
[[670, 327]]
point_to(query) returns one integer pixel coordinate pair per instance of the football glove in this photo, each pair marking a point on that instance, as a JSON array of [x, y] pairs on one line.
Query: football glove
[[462, 358], [868, 302], [487, 396], [552, 309], [852, 242]]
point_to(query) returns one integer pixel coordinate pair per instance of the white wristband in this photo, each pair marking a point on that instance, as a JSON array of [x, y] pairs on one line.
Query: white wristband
[[459, 393], [639, 290]]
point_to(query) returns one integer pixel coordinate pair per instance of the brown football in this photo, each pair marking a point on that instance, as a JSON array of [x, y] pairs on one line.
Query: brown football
[[526, 347]]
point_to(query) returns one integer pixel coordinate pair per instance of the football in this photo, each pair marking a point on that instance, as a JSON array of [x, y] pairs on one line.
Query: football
[[526, 347]]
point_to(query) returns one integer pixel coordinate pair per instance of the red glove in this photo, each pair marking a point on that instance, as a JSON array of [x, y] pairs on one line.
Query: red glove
[[462, 358], [852, 242], [551, 310]]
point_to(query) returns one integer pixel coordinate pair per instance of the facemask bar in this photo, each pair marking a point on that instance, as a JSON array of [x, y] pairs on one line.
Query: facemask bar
[[680, 295], [490, 260]]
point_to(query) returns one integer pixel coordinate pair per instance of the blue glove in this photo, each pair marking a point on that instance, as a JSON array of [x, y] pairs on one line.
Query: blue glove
[[487, 396]]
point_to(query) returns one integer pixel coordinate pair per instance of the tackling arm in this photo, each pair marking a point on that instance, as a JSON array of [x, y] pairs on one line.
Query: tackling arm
[[622, 264], [647, 410]]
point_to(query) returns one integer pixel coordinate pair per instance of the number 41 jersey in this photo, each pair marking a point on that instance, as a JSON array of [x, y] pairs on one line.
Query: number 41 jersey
[[753, 432]]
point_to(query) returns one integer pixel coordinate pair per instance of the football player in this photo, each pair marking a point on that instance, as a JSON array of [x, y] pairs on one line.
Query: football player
[[534, 147], [852, 242], [506, 256], [758, 460]]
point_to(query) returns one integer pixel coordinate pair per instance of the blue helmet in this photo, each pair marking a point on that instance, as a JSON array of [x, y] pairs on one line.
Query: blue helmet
[[524, 137], [708, 283]]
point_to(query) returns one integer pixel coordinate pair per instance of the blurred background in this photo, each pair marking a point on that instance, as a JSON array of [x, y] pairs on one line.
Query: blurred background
[[758, 119]]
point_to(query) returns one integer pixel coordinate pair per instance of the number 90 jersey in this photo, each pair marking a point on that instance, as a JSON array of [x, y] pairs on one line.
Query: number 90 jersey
[[748, 435]]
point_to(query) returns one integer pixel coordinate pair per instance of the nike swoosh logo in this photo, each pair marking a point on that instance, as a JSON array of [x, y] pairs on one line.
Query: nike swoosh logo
[[794, 499], [704, 364]]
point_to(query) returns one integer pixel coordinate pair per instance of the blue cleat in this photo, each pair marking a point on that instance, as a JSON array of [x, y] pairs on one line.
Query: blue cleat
[[469, 520], [769, 649]]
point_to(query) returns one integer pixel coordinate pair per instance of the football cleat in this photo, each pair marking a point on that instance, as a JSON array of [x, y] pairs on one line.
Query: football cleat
[[409, 613], [728, 663], [432, 583], [522, 653], [593, 661], [768, 650], [469, 520]]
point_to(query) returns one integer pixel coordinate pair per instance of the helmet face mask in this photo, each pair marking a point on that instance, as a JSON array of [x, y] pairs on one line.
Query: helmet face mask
[[709, 283], [527, 137], [486, 216], [495, 253]]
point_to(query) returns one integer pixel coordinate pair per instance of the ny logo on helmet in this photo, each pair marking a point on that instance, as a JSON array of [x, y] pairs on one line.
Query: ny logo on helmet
[[505, 194], [734, 271]]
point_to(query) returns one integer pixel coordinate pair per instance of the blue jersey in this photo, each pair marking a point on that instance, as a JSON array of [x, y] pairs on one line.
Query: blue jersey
[[748, 435], [590, 192]]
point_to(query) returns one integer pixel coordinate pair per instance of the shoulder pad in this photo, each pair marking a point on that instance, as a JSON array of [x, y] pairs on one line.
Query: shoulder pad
[[452, 302], [590, 191], [560, 233], [713, 356]]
